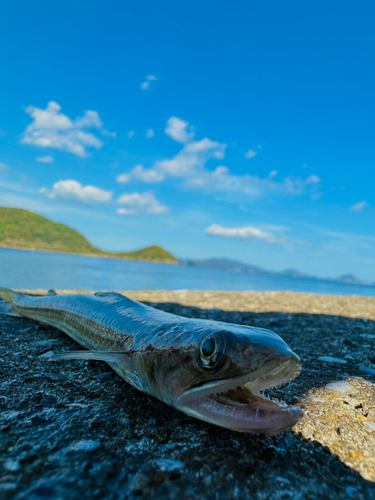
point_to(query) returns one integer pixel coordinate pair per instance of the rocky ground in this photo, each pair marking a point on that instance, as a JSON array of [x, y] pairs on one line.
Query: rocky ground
[[76, 430]]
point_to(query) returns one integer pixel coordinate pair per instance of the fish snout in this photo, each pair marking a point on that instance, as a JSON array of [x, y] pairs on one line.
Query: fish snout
[[268, 345]]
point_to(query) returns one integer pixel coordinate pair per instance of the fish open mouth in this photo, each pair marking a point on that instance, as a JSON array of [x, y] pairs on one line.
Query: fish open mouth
[[241, 404]]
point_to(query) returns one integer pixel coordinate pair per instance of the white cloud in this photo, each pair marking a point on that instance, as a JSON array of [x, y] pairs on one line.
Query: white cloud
[[190, 160], [136, 203], [357, 207], [130, 134], [141, 174], [45, 159], [250, 154], [3, 167], [146, 84], [243, 232], [177, 130], [150, 133], [52, 129], [74, 191]]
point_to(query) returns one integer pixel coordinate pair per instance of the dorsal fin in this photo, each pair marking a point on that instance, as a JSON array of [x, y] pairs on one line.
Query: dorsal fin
[[105, 294], [51, 293]]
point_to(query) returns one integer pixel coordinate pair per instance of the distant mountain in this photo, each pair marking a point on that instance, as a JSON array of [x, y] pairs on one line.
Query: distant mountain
[[237, 266], [352, 280], [224, 264], [23, 229]]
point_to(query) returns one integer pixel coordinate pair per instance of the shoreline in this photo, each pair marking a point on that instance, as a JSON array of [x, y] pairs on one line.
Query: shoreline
[[105, 256]]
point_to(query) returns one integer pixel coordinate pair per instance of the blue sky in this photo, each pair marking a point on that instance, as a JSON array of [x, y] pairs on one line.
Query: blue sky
[[219, 128]]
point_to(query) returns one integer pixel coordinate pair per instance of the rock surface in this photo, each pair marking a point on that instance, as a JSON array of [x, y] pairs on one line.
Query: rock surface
[[76, 430]]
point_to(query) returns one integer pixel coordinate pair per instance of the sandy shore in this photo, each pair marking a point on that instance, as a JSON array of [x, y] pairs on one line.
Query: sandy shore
[[76, 430]]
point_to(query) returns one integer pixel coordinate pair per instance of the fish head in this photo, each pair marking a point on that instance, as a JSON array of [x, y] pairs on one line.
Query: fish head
[[223, 373]]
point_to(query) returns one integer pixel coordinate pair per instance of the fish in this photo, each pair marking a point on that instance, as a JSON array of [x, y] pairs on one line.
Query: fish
[[211, 370]]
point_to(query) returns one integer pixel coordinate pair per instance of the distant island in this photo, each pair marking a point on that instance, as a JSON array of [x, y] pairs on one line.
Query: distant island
[[237, 266], [27, 230]]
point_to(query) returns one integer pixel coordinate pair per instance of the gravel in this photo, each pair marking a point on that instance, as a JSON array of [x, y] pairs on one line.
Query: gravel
[[76, 430]]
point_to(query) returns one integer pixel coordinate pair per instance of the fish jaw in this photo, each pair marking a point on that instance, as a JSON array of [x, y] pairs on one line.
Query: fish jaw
[[237, 404]]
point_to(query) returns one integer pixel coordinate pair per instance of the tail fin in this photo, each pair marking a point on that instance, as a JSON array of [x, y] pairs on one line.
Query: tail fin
[[8, 295]]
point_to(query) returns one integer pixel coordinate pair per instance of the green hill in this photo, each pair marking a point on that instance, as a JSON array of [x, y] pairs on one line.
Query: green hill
[[154, 253], [23, 229]]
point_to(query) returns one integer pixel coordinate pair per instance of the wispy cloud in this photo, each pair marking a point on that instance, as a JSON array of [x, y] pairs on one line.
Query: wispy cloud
[[221, 179], [130, 134], [72, 190], [243, 232], [3, 167], [358, 207], [250, 154], [146, 84], [150, 133], [190, 164], [137, 203], [45, 159], [52, 129]]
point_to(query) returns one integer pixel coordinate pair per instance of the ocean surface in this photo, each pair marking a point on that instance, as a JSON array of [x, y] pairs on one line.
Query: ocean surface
[[33, 270]]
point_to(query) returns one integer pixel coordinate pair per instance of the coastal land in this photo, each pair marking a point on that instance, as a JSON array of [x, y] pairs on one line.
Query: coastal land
[[76, 430], [26, 230]]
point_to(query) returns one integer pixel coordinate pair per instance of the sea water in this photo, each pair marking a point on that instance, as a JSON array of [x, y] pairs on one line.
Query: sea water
[[44, 270]]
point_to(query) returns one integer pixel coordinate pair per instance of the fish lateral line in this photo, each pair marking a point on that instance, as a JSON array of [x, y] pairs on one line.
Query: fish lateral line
[[108, 356]]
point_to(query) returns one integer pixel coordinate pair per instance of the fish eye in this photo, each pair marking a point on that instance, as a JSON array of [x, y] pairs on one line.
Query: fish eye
[[211, 351]]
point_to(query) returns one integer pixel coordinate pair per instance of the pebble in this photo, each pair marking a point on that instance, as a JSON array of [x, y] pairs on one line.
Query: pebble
[[282, 480], [340, 388], [330, 359], [167, 465], [343, 431], [12, 465], [84, 445], [365, 369], [371, 415], [370, 426]]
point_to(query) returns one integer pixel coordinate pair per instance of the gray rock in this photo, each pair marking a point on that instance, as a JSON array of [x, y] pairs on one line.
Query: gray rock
[[340, 388], [371, 415]]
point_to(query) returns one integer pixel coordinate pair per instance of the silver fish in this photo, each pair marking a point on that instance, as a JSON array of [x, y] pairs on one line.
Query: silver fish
[[211, 370]]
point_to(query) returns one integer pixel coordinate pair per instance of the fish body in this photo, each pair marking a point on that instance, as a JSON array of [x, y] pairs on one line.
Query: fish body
[[211, 370]]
